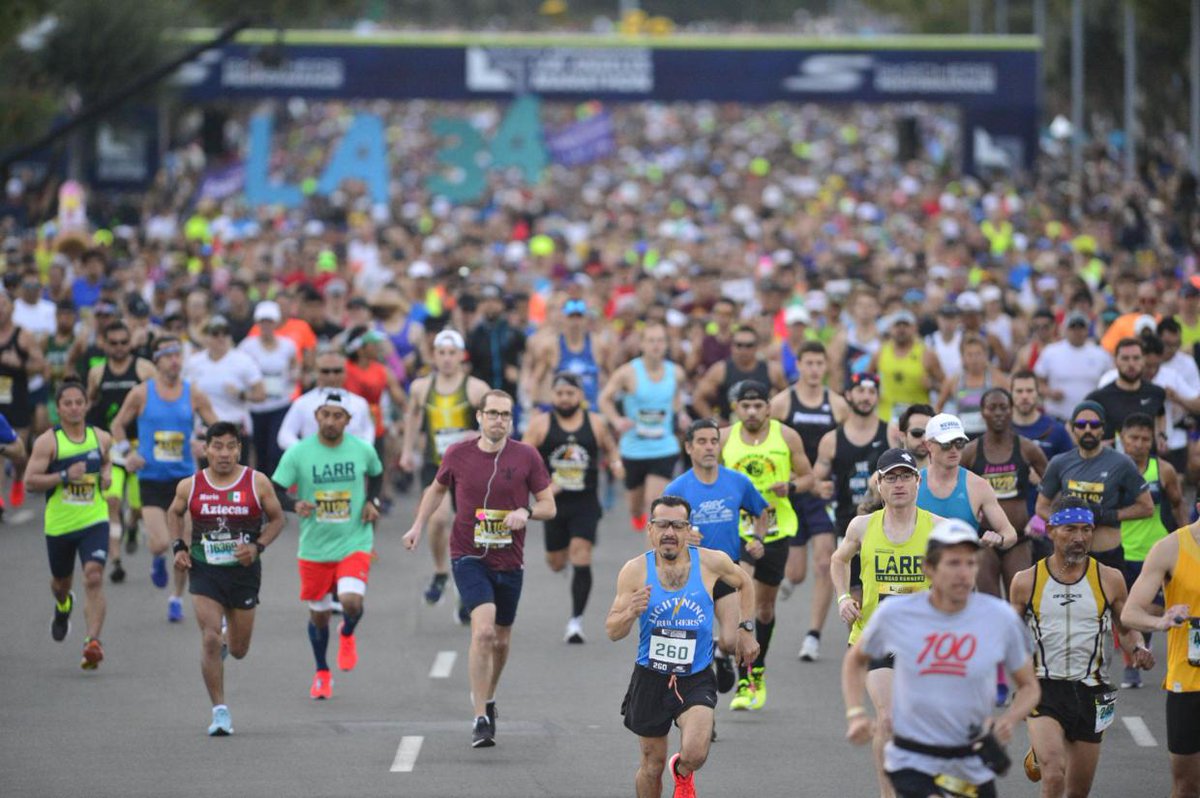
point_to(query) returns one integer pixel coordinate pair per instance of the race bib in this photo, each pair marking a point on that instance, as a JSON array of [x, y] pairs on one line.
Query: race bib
[[6, 390], [672, 650], [955, 787], [1193, 648], [443, 439], [650, 423], [168, 446], [275, 386], [79, 494], [1091, 491], [1005, 484], [490, 529], [220, 552], [333, 506], [772, 522], [1106, 710]]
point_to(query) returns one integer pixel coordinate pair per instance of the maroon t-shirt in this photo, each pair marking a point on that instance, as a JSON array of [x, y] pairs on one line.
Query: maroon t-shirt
[[466, 469]]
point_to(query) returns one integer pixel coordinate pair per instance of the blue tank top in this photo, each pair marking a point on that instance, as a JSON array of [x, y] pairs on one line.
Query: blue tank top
[[651, 407], [956, 505], [791, 366], [675, 631], [582, 364], [401, 339], [165, 435]]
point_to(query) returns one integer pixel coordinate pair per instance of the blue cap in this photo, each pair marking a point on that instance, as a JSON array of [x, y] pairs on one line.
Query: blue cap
[[575, 307]]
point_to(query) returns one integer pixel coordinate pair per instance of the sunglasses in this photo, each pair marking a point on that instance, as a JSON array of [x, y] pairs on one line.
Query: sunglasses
[[917, 432], [1089, 425], [957, 443], [744, 344], [662, 523], [332, 371]]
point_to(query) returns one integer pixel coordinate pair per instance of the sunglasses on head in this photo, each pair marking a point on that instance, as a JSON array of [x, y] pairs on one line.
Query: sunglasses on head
[[1086, 424], [957, 443]]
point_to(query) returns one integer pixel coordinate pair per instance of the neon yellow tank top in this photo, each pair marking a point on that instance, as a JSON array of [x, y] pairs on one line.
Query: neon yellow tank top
[[902, 378], [76, 505], [891, 569], [1138, 536], [448, 419], [766, 464]]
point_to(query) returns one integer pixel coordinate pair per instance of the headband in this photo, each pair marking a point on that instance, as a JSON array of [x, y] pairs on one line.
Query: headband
[[169, 349], [1072, 515]]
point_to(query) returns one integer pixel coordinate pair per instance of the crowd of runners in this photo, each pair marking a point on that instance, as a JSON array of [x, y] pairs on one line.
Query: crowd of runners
[[800, 361]]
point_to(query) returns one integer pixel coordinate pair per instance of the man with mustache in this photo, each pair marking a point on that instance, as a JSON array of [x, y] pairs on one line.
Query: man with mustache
[[668, 593], [1103, 476], [1069, 600]]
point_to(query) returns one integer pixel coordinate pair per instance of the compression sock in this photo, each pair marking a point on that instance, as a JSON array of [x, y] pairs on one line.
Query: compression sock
[[349, 622], [762, 632], [581, 587], [319, 637]]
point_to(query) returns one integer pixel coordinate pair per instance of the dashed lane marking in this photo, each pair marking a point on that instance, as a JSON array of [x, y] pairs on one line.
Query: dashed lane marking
[[1141, 733], [443, 664], [406, 754]]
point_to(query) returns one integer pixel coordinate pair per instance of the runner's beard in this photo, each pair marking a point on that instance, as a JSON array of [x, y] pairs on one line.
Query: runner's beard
[[567, 412], [1089, 442], [858, 411]]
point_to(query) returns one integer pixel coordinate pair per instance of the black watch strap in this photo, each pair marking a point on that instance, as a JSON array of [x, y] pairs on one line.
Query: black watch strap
[[261, 548], [747, 626]]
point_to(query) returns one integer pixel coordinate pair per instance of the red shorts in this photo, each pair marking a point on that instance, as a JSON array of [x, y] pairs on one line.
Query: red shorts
[[319, 579]]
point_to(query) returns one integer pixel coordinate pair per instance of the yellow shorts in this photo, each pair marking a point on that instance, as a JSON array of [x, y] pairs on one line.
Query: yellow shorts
[[124, 485]]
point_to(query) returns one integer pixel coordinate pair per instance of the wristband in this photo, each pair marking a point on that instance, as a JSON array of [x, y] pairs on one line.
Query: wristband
[[178, 545], [843, 597], [121, 447], [854, 712]]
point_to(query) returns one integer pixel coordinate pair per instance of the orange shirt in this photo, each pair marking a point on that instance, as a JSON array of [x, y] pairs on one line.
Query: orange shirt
[[1122, 327], [369, 383]]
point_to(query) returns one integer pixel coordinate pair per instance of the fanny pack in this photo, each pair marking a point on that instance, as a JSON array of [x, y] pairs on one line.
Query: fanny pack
[[984, 746]]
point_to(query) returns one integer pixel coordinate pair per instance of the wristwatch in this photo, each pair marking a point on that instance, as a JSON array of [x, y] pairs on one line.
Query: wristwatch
[[747, 626], [261, 548], [378, 504]]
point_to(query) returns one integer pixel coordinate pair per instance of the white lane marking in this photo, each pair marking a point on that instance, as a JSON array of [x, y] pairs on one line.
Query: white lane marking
[[443, 663], [406, 754], [1141, 733]]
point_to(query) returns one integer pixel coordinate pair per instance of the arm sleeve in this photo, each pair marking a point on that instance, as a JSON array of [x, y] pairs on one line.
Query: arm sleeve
[[374, 464]]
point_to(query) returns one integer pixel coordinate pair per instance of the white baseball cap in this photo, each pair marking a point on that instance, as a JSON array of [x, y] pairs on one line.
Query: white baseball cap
[[335, 397], [797, 314], [420, 268], [451, 338], [267, 310], [969, 302], [944, 428], [952, 532]]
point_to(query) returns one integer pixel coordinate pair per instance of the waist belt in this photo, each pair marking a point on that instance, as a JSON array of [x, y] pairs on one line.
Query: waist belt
[[942, 751]]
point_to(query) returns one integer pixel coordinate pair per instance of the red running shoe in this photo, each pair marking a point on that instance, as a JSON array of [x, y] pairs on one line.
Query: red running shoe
[[322, 686], [684, 788], [347, 651]]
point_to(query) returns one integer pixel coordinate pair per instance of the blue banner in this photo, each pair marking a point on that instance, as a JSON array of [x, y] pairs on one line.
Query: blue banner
[[583, 142]]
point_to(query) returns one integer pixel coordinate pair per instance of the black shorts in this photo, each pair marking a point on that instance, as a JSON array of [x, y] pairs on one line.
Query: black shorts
[[1073, 705], [1114, 558], [769, 568], [911, 783], [1183, 723], [813, 514], [887, 662], [574, 520], [19, 414], [721, 589], [157, 493], [234, 587], [636, 471], [651, 704], [90, 544]]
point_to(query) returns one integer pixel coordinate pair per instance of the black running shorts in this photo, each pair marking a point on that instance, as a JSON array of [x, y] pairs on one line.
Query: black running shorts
[[1183, 723], [1073, 705], [234, 587], [636, 471], [769, 568], [574, 520], [651, 704], [157, 493]]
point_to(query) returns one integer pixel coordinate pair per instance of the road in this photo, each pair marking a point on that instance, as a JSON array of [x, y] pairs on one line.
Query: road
[[136, 726]]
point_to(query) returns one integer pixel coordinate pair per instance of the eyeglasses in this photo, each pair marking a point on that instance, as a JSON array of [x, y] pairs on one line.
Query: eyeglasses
[[1089, 424], [118, 342], [493, 415], [332, 371], [917, 432], [957, 443], [745, 344], [904, 475], [663, 523]]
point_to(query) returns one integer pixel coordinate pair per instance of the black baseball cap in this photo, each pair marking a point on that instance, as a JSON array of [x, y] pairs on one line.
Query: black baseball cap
[[896, 458], [749, 390]]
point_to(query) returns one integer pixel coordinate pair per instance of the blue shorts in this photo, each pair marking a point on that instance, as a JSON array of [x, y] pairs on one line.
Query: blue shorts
[[813, 515], [477, 585], [90, 544]]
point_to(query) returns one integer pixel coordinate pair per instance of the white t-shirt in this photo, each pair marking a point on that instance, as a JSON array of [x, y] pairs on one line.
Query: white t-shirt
[[1186, 366], [222, 379], [945, 674], [276, 366], [1074, 371], [1167, 377], [38, 319], [301, 420]]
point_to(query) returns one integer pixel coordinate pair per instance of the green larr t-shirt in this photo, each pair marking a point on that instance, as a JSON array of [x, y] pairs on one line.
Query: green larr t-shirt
[[332, 478]]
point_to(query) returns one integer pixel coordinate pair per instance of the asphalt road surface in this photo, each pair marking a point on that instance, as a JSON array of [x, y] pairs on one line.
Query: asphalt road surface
[[399, 724]]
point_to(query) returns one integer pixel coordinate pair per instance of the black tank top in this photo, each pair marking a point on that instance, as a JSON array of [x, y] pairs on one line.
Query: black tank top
[[113, 390], [14, 381], [810, 423], [852, 469], [733, 375], [573, 459], [1010, 478]]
